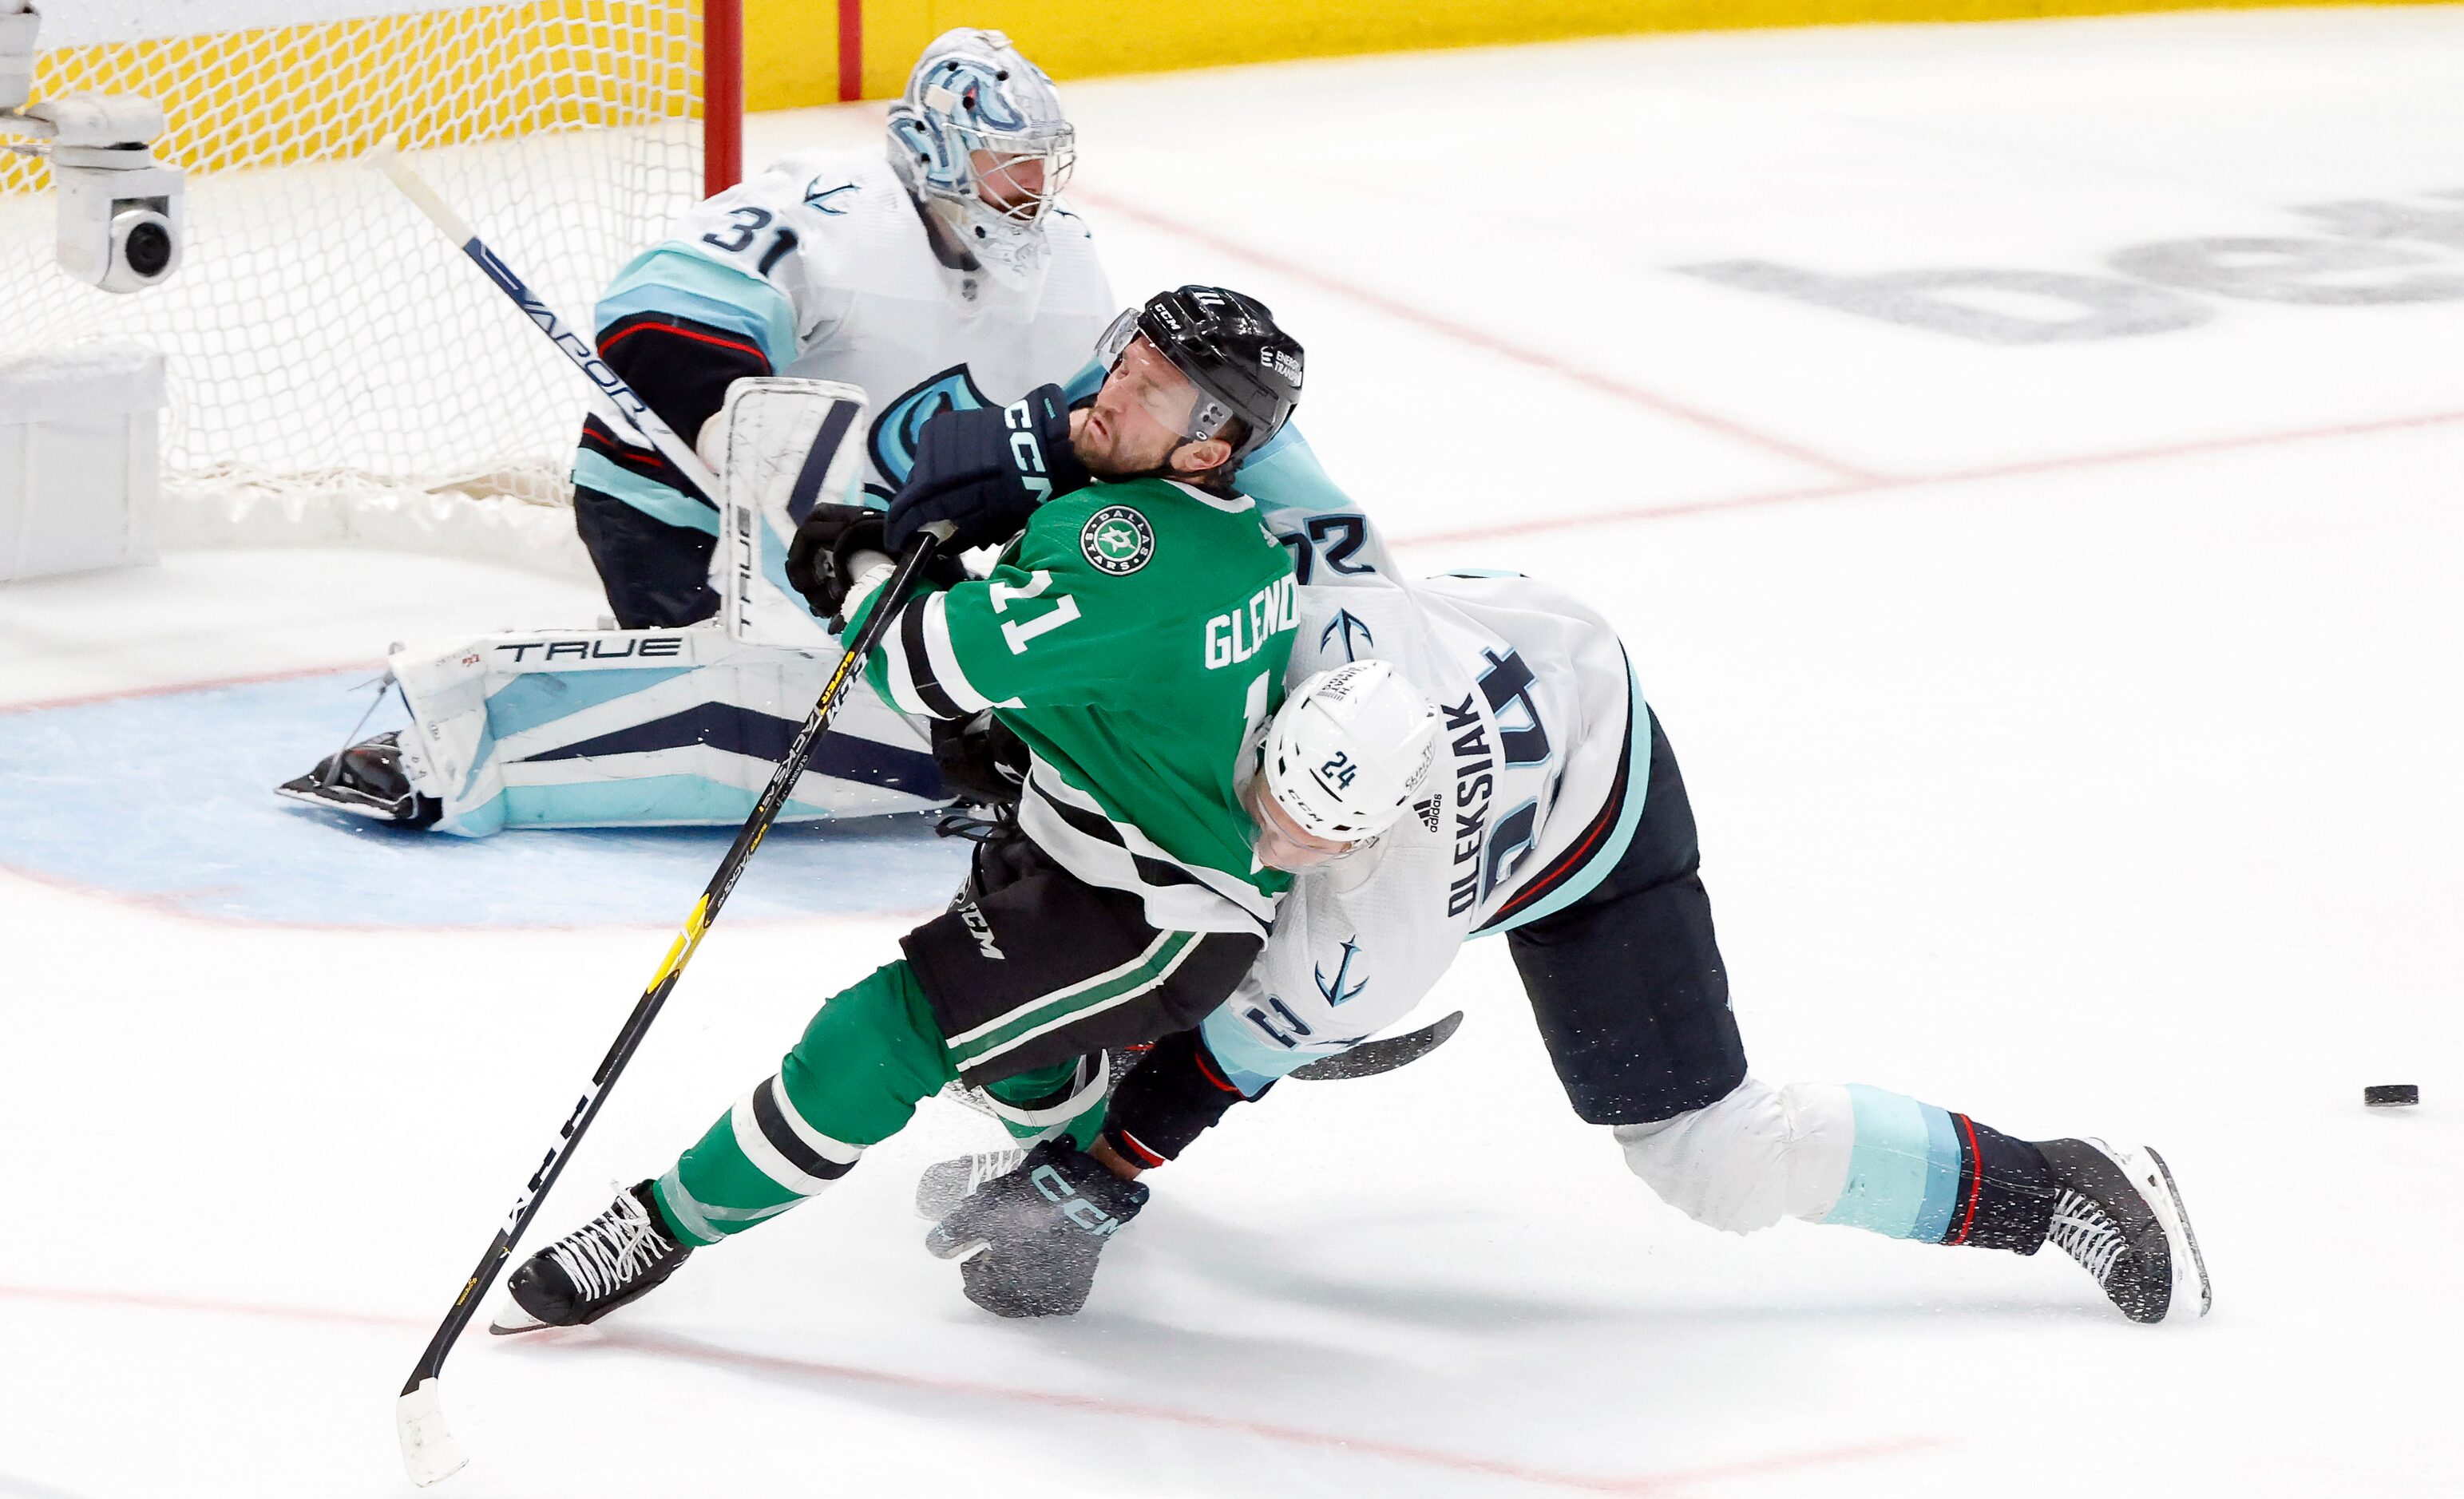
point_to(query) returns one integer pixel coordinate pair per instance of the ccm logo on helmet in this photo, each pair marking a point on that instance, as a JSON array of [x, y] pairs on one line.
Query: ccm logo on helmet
[[1232, 638]]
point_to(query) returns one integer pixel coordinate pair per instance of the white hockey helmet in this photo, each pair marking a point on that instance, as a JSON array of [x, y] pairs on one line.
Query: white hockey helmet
[[1349, 750], [973, 91]]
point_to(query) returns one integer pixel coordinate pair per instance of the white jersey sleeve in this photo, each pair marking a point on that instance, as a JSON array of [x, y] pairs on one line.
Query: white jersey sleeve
[[823, 263], [1538, 783]]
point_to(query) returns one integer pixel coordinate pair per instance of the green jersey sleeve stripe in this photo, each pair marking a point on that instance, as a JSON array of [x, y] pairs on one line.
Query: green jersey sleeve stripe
[[919, 667], [912, 659], [941, 656]]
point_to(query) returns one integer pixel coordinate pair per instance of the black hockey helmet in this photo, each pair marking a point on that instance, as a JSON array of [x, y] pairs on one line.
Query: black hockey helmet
[[1229, 347]]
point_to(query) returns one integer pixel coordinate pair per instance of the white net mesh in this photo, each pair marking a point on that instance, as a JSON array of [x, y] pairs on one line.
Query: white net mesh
[[318, 331]]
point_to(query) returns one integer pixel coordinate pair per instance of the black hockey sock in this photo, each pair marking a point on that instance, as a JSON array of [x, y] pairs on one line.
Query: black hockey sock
[[2006, 1191]]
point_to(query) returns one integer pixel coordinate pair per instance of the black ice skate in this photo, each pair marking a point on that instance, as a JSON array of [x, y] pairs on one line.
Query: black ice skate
[[616, 1257], [2118, 1214], [367, 781]]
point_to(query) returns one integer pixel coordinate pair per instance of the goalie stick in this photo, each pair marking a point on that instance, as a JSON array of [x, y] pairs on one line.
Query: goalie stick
[[616, 399], [429, 1453]]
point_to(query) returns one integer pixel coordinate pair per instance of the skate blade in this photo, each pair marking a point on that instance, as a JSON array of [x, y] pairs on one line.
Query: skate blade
[[511, 1319], [2180, 1240], [309, 790]]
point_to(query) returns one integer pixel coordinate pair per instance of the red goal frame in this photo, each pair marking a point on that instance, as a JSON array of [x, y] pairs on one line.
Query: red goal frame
[[723, 94]]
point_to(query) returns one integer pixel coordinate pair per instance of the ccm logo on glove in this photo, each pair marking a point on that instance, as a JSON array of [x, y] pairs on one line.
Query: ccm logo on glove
[[1026, 452], [1058, 1191]]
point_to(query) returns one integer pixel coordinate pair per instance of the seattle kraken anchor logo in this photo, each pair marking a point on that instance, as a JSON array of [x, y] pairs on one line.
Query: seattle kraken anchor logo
[[1345, 622], [817, 196], [1332, 990]]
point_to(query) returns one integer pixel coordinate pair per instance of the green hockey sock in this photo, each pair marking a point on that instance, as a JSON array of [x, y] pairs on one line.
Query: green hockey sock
[[1045, 1087], [869, 1055]]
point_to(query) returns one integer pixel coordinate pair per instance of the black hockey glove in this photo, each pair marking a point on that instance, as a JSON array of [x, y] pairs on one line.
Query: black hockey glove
[[1028, 1242], [986, 471], [980, 760], [823, 556]]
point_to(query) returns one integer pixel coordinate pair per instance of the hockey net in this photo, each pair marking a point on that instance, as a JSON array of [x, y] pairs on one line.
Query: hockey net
[[320, 336]]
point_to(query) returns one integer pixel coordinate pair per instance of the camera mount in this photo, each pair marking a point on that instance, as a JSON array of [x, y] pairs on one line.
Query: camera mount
[[120, 208]]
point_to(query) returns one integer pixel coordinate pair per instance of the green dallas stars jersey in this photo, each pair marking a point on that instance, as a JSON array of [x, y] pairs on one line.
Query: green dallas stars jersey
[[1135, 637]]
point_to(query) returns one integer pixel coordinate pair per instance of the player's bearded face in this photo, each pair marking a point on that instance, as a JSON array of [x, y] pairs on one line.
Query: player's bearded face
[[1140, 420]]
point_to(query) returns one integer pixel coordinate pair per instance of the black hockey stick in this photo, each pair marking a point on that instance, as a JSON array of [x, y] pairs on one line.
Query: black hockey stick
[[429, 1452], [1371, 1057]]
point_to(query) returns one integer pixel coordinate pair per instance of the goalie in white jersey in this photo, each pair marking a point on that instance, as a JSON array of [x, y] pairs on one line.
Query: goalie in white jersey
[[944, 274], [1532, 792]]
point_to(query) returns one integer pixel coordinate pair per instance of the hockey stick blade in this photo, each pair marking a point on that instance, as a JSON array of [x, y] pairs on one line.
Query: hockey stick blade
[[1371, 1057], [430, 1454]]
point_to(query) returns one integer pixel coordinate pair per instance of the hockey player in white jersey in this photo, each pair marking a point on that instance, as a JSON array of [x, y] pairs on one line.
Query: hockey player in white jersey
[[1532, 792], [948, 274], [944, 274]]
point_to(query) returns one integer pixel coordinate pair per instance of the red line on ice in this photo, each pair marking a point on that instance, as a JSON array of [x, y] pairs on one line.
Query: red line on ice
[[163, 689], [1880, 486], [1645, 1484], [1463, 333]]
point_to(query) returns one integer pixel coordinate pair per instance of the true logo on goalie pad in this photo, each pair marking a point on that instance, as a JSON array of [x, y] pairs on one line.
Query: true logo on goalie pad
[[1117, 539]]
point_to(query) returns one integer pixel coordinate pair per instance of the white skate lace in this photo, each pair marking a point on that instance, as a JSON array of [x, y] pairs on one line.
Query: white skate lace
[[2087, 1233], [988, 1164], [611, 1249]]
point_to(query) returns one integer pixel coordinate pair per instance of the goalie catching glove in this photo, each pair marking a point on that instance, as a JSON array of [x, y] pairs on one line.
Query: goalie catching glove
[[984, 471], [1028, 1242]]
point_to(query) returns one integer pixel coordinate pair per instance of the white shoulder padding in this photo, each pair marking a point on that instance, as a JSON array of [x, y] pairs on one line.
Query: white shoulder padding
[[1758, 1156]]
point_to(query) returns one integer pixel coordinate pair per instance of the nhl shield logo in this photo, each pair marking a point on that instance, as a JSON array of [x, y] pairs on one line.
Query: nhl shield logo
[[1117, 541]]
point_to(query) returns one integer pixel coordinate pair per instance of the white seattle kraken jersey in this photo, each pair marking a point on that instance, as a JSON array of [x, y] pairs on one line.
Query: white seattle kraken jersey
[[1541, 768], [823, 261]]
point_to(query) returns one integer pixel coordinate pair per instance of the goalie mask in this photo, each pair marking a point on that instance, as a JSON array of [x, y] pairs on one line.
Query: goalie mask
[[980, 141]]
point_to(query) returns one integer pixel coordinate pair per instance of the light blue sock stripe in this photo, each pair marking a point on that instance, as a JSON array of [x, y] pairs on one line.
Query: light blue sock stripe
[[1903, 1171], [1941, 1176], [656, 500]]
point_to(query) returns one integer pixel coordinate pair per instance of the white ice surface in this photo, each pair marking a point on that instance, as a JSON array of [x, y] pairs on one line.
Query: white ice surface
[[2115, 796]]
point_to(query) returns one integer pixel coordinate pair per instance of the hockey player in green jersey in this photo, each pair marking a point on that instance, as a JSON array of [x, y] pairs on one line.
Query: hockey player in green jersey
[[1133, 638]]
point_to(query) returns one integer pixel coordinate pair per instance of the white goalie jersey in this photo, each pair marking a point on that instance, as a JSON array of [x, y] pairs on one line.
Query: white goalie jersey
[[1541, 768], [823, 263]]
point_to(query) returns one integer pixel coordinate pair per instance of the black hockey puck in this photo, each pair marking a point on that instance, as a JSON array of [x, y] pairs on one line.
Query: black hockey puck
[[2391, 1095]]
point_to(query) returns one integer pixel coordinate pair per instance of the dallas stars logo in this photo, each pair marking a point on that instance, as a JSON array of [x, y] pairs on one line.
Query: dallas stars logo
[[1117, 541]]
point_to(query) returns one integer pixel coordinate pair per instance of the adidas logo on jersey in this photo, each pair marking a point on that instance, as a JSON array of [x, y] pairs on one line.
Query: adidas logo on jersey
[[1429, 812]]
